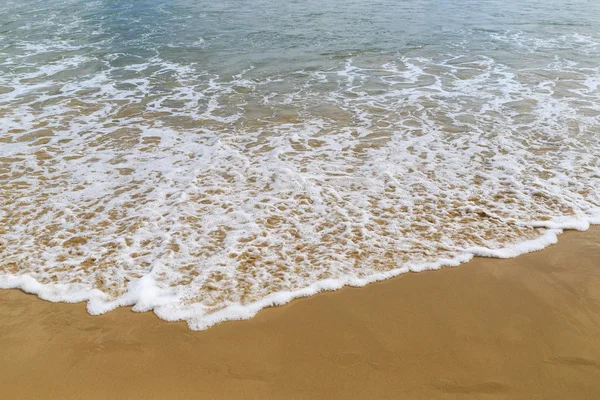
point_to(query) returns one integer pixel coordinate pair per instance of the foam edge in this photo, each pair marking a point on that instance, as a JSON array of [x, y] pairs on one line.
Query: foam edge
[[144, 295]]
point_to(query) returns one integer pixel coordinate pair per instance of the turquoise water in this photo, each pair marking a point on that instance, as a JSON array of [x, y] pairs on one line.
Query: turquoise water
[[207, 159]]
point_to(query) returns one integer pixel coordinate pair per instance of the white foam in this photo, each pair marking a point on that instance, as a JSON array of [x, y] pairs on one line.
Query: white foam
[[206, 197], [144, 295]]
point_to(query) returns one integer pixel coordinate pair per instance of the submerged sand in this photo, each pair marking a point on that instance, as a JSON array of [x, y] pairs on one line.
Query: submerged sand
[[524, 328]]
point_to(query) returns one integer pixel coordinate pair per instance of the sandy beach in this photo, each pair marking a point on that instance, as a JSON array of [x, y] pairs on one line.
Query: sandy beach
[[207, 160], [524, 328]]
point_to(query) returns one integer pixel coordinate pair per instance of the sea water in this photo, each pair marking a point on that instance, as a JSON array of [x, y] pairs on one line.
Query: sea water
[[206, 159]]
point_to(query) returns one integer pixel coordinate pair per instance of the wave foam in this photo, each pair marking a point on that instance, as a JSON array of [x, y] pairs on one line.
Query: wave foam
[[132, 180]]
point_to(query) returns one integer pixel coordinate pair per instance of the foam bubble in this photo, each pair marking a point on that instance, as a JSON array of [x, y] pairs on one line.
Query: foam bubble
[[140, 181]]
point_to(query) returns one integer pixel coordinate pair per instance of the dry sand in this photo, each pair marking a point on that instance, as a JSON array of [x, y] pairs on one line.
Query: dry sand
[[525, 328]]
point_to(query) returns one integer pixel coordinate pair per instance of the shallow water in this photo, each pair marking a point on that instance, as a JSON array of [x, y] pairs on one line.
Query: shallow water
[[208, 159]]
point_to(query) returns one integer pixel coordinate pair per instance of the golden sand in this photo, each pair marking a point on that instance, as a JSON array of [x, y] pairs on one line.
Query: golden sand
[[524, 328]]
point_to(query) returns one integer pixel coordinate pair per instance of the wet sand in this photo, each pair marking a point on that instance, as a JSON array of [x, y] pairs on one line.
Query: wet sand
[[524, 328]]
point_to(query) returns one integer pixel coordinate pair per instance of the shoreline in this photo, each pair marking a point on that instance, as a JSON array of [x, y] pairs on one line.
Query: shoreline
[[524, 327], [138, 300]]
